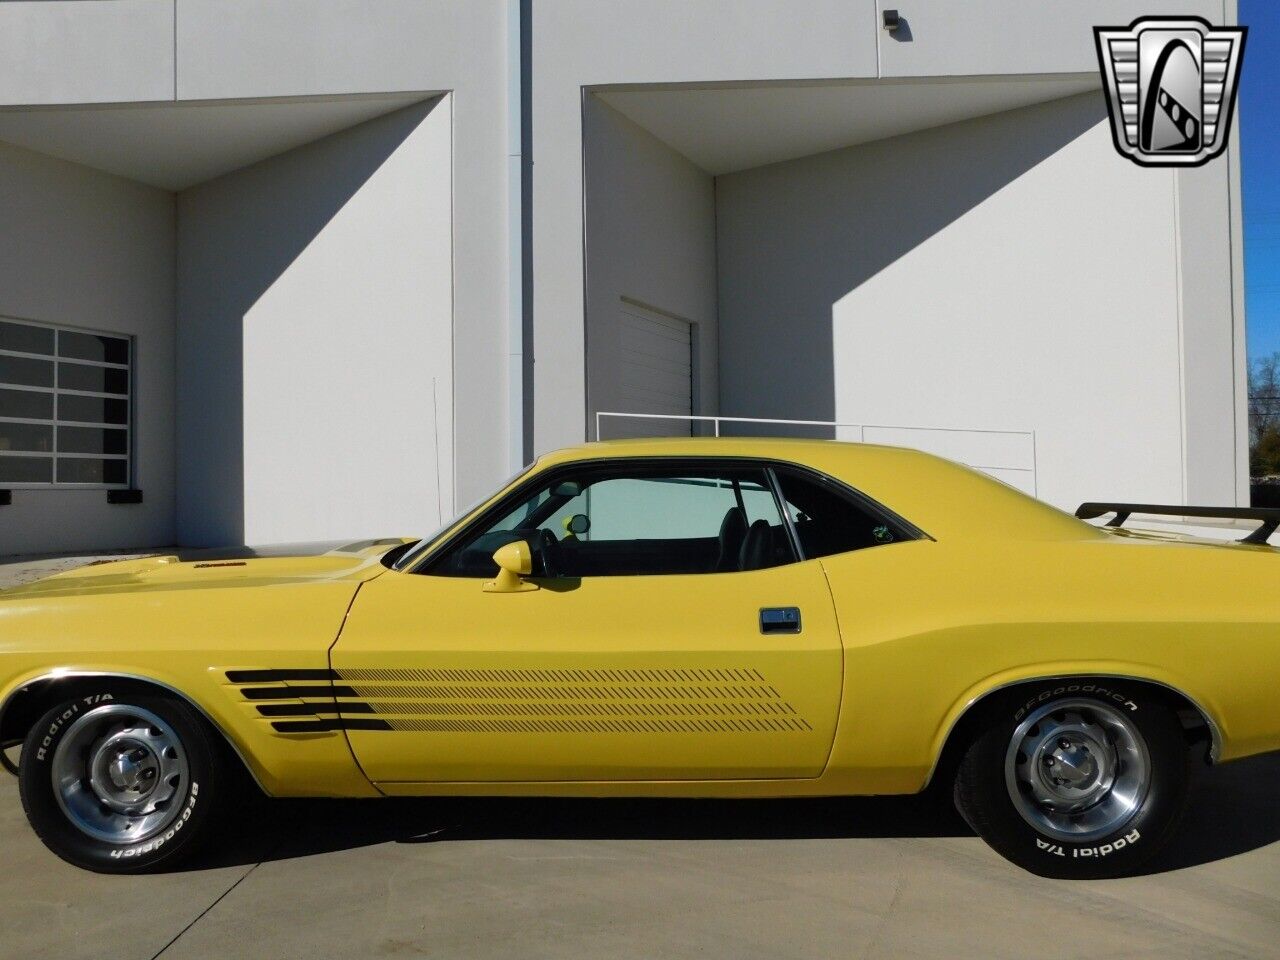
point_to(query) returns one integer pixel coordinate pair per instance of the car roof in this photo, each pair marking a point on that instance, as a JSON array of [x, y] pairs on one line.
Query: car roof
[[720, 447], [941, 497]]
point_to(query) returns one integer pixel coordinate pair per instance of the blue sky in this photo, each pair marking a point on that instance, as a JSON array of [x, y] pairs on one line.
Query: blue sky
[[1259, 133]]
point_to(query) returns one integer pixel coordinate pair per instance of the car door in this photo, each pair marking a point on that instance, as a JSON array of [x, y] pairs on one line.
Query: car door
[[673, 636]]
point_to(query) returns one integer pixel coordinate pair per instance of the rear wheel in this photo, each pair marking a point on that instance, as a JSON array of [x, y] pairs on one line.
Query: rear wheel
[[1077, 779], [122, 782]]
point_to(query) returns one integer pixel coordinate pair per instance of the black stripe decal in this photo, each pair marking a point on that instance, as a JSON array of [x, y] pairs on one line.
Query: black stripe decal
[[298, 693], [310, 709], [326, 725], [278, 676]]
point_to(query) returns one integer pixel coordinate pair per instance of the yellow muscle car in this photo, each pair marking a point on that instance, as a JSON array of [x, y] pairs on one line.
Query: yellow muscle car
[[690, 617]]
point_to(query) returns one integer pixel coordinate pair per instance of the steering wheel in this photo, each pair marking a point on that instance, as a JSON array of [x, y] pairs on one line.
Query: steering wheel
[[548, 547]]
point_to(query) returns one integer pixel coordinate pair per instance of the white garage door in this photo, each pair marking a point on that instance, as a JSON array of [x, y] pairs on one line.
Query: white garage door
[[657, 370]]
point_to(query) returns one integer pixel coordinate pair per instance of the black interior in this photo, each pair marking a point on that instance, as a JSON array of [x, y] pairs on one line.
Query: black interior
[[762, 546], [733, 530], [829, 522], [828, 519]]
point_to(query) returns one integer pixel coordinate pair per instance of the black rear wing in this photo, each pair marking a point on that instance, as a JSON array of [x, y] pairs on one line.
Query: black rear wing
[[1268, 517]]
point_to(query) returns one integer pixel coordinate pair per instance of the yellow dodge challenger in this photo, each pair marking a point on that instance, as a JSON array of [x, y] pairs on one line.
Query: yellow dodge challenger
[[691, 618]]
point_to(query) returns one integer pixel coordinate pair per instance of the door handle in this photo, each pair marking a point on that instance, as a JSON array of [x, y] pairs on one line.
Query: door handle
[[779, 619]]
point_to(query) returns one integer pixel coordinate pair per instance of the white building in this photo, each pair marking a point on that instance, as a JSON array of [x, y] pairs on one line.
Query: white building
[[348, 264]]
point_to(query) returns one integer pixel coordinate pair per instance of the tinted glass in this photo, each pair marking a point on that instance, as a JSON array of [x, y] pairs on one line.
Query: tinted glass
[[32, 437], [90, 346], [36, 394], [77, 470], [74, 407], [25, 338], [28, 404], [829, 520], [26, 371], [642, 521], [76, 376], [26, 469], [92, 440]]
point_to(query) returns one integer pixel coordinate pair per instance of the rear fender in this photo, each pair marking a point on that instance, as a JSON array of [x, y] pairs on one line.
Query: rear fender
[[1066, 675]]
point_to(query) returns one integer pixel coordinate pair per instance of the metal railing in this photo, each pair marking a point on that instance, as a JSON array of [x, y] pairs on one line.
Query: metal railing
[[1024, 468], [716, 421]]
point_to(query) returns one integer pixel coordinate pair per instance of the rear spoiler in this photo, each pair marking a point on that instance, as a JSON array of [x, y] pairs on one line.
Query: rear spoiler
[[1268, 517]]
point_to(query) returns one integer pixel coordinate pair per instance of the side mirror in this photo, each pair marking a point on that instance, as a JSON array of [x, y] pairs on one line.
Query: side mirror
[[578, 523], [514, 561]]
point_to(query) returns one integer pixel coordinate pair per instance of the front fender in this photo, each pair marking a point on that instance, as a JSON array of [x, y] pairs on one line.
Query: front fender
[[282, 765]]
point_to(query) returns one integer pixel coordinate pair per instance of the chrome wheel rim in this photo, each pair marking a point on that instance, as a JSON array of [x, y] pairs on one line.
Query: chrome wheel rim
[[119, 774], [1077, 770]]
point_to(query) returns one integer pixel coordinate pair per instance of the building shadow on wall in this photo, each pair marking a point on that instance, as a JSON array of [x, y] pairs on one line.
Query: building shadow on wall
[[849, 214], [237, 235]]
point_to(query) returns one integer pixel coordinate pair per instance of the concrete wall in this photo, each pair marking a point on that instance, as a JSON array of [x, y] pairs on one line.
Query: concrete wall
[[62, 52], [585, 43], [945, 38], [315, 322], [650, 237], [188, 51], [1212, 327], [580, 43], [68, 51], [229, 49], [83, 248], [1004, 273]]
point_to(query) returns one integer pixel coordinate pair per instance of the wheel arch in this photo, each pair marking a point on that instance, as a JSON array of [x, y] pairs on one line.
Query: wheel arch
[[24, 703], [977, 708]]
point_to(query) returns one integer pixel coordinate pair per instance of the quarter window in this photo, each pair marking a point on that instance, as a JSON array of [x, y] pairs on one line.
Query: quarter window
[[64, 407], [829, 520]]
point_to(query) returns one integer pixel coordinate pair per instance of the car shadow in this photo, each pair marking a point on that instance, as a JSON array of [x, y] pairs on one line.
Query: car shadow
[[285, 829], [1232, 812]]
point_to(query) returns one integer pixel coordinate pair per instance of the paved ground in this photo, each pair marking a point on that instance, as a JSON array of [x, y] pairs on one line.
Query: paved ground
[[616, 879]]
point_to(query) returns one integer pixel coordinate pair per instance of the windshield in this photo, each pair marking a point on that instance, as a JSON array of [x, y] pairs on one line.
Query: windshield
[[415, 553]]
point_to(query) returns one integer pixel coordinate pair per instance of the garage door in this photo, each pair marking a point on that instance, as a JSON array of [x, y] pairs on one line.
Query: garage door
[[657, 370]]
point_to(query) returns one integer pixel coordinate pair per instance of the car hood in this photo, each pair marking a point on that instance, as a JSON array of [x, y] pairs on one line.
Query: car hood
[[234, 567]]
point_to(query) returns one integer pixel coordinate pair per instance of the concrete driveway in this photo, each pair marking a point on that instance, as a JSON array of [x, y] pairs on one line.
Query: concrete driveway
[[892, 878]]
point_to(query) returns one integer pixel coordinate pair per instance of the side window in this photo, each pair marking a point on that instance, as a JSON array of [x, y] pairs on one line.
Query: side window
[[829, 521], [635, 521]]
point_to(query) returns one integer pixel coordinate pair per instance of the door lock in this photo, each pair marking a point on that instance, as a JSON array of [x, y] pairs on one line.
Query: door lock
[[779, 619]]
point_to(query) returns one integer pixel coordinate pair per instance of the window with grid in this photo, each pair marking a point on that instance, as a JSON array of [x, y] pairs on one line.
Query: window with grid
[[64, 407]]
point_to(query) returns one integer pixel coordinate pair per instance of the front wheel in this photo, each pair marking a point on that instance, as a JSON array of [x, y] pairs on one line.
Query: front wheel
[[122, 782], [1077, 780]]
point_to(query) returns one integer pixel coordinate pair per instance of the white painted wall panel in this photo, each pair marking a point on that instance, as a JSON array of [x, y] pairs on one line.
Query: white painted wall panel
[[1006, 273], [315, 315], [1212, 326], [650, 238], [579, 43], [985, 449], [83, 248], [70, 51], [246, 48], [985, 37]]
